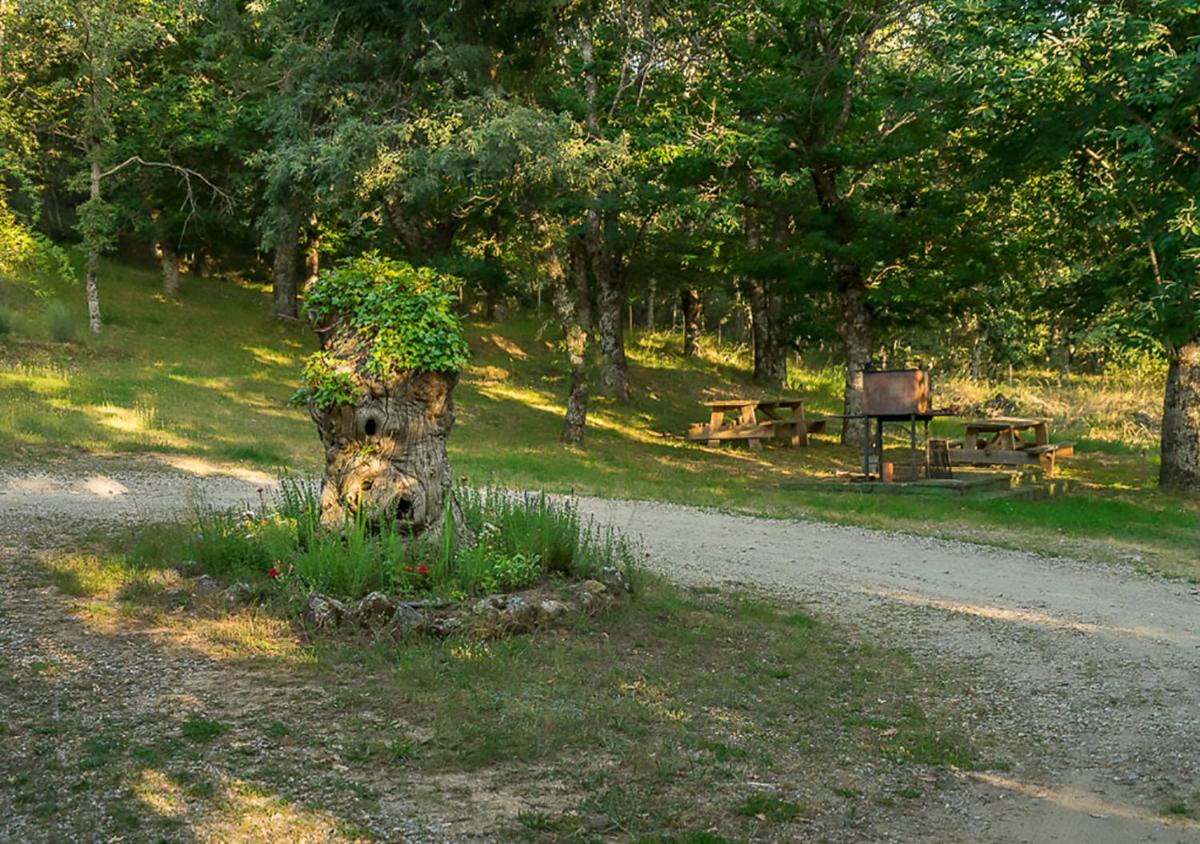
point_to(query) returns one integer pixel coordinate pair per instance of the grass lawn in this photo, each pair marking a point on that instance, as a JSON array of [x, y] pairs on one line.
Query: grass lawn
[[205, 381]]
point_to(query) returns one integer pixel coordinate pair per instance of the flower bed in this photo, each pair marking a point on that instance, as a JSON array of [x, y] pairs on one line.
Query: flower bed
[[533, 563]]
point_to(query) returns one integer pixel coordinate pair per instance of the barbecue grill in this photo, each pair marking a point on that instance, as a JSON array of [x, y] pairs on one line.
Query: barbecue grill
[[895, 395]]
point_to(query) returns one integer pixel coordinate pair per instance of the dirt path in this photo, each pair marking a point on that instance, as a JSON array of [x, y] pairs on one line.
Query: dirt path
[[1088, 676]]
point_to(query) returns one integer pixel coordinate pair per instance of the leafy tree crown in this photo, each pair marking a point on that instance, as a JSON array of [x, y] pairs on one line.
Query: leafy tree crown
[[400, 318]]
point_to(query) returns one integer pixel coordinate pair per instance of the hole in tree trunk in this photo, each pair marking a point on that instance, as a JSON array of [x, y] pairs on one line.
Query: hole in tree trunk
[[403, 509], [371, 427]]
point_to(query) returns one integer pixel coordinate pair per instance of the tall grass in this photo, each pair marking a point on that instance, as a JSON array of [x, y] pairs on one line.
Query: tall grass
[[61, 322], [518, 540]]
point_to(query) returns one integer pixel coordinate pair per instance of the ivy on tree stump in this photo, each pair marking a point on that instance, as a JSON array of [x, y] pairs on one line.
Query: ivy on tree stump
[[380, 391]]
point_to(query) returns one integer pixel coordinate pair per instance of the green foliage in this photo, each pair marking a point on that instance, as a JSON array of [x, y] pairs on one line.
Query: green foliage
[[6, 322], [26, 255], [522, 539], [403, 315], [61, 322]]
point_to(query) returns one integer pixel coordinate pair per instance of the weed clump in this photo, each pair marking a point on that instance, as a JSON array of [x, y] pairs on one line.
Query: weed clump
[[61, 322]]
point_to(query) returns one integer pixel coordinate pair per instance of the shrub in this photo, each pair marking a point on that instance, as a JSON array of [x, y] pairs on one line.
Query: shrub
[[61, 322], [399, 316], [6, 322]]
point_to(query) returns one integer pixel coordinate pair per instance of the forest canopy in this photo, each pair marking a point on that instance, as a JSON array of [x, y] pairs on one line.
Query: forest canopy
[[970, 183]]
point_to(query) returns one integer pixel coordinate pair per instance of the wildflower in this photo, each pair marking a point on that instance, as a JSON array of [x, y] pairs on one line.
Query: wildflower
[[422, 569], [272, 572]]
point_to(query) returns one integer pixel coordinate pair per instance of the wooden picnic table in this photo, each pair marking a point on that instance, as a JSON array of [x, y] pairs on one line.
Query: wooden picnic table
[[783, 417], [1008, 441]]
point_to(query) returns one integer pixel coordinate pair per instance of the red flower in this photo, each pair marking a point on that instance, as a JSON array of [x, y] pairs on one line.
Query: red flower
[[422, 569], [272, 572]]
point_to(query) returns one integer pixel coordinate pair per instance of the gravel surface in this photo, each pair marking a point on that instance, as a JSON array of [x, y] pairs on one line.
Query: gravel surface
[[1089, 676]]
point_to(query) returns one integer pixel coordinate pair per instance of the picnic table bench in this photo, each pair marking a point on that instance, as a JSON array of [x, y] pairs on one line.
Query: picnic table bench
[[783, 418], [1003, 441]]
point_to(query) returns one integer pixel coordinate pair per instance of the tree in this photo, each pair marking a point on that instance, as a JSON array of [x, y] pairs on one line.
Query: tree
[[830, 138], [96, 50], [1100, 100]]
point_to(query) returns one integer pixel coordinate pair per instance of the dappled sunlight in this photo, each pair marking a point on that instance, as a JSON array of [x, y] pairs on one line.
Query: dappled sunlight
[[104, 487], [1084, 802], [140, 420], [1034, 618], [270, 357], [654, 698], [41, 379], [202, 468], [239, 635], [506, 345], [155, 789], [234, 809]]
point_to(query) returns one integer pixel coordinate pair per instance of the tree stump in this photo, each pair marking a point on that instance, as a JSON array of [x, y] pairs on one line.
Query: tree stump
[[385, 454], [380, 391]]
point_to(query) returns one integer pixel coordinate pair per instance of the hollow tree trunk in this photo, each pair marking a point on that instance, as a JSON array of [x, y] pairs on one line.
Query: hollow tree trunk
[[284, 277], [385, 455], [609, 300], [855, 329], [692, 307], [93, 258], [1180, 467], [168, 259]]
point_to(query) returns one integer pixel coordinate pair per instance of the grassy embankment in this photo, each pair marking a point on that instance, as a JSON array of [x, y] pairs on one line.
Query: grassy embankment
[[205, 380]]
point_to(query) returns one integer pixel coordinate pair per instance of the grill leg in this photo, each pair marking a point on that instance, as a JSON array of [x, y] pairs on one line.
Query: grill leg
[[912, 442]]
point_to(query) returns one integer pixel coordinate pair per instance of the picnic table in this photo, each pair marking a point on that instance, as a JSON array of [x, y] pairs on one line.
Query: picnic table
[[782, 417], [1008, 441]]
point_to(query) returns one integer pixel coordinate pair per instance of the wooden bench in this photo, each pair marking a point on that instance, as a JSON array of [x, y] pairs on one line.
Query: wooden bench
[[753, 433], [1044, 455], [797, 430]]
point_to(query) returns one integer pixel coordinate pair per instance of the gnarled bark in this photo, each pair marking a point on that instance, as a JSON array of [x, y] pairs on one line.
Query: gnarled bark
[[1180, 467], [385, 453]]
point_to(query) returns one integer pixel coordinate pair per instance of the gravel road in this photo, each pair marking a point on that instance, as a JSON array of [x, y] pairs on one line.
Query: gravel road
[[1089, 676]]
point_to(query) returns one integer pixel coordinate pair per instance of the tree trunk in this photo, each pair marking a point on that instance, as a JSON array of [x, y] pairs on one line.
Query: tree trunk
[[385, 453], [284, 277], [692, 307], [312, 255], [205, 263], [855, 330], [609, 298], [168, 258], [650, 305], [565, 303], [93, 258], [1180, 444]]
